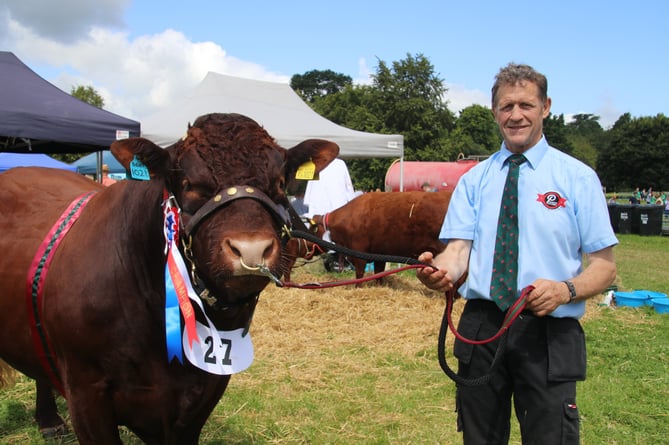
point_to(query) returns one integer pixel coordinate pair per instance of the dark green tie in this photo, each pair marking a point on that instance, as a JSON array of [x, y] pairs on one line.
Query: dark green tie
[[505, 262]]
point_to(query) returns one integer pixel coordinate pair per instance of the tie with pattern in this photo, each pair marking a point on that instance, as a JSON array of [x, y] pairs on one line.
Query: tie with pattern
[[505, 262]]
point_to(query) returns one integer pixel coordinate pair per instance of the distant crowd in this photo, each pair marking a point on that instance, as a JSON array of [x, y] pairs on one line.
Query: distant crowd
[[644, 196]]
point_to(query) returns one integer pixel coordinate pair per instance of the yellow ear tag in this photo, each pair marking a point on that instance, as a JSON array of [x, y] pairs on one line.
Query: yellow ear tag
[[306, 171]]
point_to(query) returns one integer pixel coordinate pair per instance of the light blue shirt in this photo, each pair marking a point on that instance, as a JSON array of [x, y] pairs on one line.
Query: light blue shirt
[[562, 214]]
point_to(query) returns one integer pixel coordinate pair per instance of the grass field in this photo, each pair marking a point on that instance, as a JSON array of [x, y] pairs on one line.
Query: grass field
[[359, 366]]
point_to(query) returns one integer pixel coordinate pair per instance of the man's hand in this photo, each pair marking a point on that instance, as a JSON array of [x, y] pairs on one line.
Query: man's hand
[[546, 296], [433, 277], [447, 267]]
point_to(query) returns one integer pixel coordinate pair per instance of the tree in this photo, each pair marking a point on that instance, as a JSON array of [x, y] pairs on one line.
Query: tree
[[586, 125], [637, 154], [88, 95], [583, 149], [411, 102], [319, 83], [475, 132], [586, 136], [352, 108], [556, 133], [407, 99]]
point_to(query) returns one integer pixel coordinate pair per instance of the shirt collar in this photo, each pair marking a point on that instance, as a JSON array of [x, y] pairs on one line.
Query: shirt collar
[[534, 154]]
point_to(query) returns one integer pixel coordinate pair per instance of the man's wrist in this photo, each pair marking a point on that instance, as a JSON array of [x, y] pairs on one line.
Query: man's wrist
[[572, 290]]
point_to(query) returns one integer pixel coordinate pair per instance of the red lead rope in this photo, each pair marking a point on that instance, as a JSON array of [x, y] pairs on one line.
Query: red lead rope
[[328, 284], [446, 323], [511, 315]]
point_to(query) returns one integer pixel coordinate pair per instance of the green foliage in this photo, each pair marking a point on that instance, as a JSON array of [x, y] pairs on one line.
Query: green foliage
[[410, 102], [556, 133], [352, 108], [585, 134], [404, 98], [318, 83], [475, 132], [637, 154], [68, 158], [407, 97], [586, 125], [88, 94], [369, 174], [583, 149]]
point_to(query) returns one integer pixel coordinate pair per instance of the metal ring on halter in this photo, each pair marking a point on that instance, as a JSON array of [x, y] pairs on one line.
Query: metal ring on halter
[[268, 273], [241, 260]]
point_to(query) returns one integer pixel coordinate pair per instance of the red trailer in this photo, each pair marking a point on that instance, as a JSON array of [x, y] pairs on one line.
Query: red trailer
[[440, 175]]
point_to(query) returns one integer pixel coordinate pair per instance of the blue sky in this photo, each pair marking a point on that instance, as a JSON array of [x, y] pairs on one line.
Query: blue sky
[[600, 57]]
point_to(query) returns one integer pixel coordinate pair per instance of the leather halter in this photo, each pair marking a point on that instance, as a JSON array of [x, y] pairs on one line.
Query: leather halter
[[323, 222], [190, 223], [230, 194]]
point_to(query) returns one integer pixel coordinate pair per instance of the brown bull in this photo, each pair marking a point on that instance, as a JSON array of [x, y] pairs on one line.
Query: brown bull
[[389, 223], [84, 309], [299, 248]]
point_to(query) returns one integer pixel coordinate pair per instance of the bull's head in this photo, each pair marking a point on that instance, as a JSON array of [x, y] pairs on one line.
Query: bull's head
[[229, 178]]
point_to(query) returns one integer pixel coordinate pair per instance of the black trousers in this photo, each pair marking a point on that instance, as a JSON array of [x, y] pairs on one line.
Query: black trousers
[[544, 359]]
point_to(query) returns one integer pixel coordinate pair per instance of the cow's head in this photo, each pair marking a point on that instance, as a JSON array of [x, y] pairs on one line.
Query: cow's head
[[318, 225], [229, 178]]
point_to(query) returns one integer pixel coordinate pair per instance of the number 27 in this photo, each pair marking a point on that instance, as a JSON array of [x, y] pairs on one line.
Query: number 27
[[210, 355]]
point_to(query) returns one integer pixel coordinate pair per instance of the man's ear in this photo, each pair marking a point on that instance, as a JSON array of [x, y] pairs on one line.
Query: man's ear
[[547, 107]]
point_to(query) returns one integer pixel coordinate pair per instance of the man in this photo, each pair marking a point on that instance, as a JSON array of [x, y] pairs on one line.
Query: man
[[106, 179], [332, 190], [561, 215], [426, 187]]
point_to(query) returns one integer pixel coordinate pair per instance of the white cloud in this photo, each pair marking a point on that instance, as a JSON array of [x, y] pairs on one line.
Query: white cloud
[[364, 73], [65, 20], [85, 43], [459, 97], [608, 113], [134, 77]]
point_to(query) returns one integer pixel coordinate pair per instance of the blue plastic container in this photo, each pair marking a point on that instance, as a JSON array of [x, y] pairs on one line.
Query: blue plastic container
[[661, 305], [653, 295], [631, 299], [649, 294]]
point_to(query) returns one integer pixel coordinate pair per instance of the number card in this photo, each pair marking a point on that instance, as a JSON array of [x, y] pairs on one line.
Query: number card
[[223, 354]]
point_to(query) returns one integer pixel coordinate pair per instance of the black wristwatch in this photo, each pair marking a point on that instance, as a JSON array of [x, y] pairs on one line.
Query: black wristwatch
[[572, 290]]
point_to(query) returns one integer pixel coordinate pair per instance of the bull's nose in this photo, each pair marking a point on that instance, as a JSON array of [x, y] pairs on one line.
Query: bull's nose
[[249, 254]]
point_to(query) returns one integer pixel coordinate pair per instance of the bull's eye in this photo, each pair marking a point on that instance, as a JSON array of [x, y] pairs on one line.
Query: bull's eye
[[194, 195]]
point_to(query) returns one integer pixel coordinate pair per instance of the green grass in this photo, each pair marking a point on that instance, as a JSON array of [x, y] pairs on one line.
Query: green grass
[[643, 262], [359, 366], [625, 399]]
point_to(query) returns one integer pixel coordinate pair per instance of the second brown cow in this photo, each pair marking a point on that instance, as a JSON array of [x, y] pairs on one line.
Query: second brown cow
[[388, 223]]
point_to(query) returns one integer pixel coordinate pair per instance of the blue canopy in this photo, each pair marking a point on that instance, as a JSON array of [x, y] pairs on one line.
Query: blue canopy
[[36, 116], [88, 164], [10, 160]]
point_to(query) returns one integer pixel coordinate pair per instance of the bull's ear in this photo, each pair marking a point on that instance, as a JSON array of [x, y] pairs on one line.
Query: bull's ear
[[129, 151], [318, 151]]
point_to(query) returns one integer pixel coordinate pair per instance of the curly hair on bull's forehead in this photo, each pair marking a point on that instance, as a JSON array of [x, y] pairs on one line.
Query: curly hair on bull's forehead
[[235, 149], [515, 73]]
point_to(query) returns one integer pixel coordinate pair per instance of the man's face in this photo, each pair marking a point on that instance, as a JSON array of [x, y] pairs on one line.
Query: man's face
[[519, 113]]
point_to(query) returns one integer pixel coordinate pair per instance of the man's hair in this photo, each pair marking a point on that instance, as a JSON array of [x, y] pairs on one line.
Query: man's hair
[[515, 73]]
